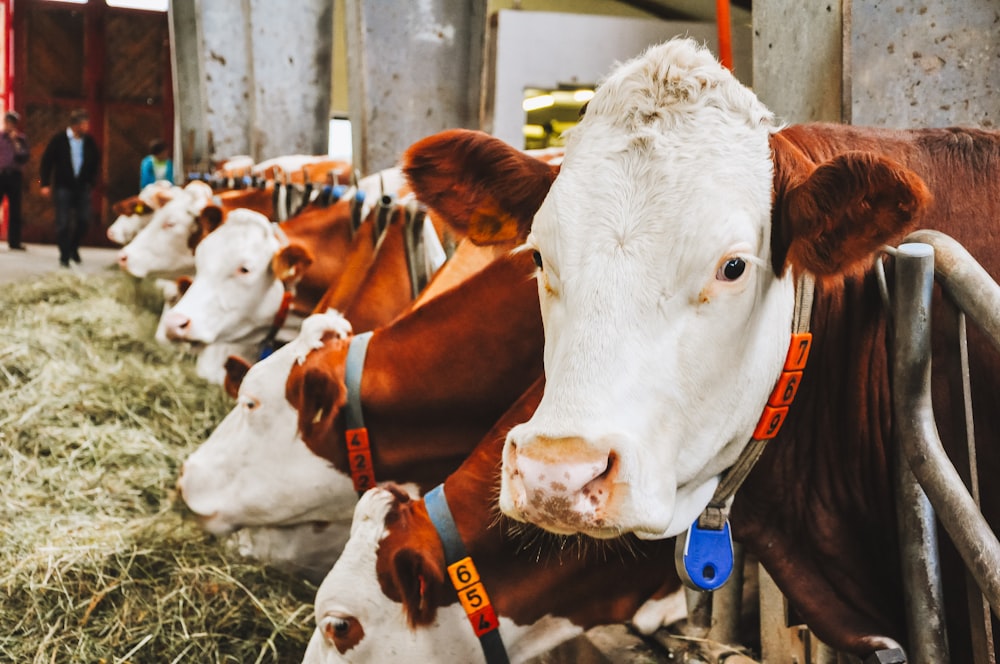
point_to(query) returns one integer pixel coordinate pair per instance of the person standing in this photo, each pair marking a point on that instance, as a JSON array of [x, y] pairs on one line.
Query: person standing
[[156, 165], [69, 169], [14, 154]]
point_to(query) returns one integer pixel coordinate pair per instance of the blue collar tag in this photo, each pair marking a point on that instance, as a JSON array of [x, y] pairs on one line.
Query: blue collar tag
[[704, 557]]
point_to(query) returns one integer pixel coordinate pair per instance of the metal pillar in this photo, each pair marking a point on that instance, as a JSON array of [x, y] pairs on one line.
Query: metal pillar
[[415, 70]]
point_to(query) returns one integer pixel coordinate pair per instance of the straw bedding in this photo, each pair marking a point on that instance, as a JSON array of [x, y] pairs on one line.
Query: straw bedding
[[97, 560]]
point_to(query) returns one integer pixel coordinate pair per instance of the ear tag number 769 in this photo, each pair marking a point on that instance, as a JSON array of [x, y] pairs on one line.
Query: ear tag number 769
[[705, 560]]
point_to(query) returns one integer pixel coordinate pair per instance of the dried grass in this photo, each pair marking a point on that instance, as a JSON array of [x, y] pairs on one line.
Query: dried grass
[[97, 563]]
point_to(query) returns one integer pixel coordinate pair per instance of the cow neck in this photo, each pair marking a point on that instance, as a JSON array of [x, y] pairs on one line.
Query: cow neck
[[268, 345], [704, 554], [359, 457], [465, 578], [427, 400]]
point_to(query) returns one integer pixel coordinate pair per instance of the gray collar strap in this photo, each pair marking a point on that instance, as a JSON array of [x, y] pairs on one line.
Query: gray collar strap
[[465, 578], [356, 435]]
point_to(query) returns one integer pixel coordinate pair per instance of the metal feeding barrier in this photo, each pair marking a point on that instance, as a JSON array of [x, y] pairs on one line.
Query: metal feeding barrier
[[929, 481]]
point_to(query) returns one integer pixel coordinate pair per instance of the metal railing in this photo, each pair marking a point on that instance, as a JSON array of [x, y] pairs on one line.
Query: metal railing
[[954, 498]]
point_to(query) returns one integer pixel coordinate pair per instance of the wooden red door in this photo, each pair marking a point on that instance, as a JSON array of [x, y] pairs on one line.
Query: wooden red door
[[113, 62]]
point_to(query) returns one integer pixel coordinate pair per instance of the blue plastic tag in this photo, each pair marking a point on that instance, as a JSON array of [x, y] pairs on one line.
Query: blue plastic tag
[[704, 557]]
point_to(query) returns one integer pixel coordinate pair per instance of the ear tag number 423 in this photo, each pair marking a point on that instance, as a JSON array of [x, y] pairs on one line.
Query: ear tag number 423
[[705, 561]]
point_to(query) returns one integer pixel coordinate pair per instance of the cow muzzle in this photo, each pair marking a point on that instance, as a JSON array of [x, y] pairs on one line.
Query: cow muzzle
[[563, 485]]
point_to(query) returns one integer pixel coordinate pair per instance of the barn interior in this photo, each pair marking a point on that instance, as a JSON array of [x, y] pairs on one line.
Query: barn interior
[[360, 81]]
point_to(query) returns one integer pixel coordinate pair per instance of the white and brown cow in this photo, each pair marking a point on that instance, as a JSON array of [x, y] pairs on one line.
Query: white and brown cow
[[389, 598], [427, 403], [668, 249], [135, 212], [165, 247]]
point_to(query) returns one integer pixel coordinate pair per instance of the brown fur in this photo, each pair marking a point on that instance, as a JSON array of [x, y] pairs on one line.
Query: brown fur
[[448, 170], [290, 263], [597, 584], [818, 508], [236, 371]]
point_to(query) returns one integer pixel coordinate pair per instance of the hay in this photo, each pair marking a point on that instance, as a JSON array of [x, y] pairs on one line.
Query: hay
[[97, 563]]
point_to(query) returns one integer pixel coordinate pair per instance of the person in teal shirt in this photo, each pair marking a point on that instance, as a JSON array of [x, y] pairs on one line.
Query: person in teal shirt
[[156, 165]]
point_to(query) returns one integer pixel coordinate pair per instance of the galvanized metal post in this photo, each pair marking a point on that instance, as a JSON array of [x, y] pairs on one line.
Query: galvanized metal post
[[922, 591], [915, 516]]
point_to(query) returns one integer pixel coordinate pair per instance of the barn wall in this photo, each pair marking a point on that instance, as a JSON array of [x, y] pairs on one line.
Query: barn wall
[[414, 70], [260, 73], [870, 62]]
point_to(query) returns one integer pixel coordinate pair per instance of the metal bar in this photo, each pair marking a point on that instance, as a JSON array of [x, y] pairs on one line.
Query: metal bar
[[969, 285], [727, 605], [956, 368], [914, 417], [922, 591]]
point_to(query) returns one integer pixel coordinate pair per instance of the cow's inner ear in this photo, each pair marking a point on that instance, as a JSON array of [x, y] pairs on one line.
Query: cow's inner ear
[[419, 580]]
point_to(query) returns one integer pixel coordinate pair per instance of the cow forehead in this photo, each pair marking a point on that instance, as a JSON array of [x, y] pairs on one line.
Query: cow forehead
[[241, 238]]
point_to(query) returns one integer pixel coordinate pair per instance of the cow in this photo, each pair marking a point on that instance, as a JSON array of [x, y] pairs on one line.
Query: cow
[[389, 597], [668, 253], [135, 212], [255, 287], [424, 412], [165, 247]]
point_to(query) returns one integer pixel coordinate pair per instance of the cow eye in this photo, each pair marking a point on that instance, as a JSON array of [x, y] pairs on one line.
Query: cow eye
[[341, 633], [249, 403], [732, 269], [537, 258], [244, 269]]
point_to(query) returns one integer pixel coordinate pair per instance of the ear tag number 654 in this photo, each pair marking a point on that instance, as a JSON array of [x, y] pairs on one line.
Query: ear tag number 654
[[705, 558]]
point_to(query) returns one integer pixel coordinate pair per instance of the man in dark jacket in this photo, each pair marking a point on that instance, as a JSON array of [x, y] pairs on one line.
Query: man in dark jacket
[[69, 169]]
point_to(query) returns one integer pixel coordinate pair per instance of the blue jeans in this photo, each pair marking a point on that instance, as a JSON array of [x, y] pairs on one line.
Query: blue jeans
[[72, 220]]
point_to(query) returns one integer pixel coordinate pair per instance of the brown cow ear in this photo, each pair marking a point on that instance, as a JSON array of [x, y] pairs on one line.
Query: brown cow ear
[[162, 197], [477, 184], [209, 219], [236, 371], [291, 262], [318, 394], [419, 579], [846, 209]]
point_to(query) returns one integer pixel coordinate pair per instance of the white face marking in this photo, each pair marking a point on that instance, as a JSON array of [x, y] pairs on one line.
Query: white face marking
[[255, 469], [665, 327]]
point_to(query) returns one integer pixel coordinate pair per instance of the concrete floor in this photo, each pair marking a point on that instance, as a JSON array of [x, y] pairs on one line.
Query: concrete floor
[[40, 259]]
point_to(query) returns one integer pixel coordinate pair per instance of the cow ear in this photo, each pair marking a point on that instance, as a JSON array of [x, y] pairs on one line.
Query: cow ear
[[161, 197], [318, 394], [209, 219], [477, 184], [236, 371], [290, 263], [419, 579], [847, 208]]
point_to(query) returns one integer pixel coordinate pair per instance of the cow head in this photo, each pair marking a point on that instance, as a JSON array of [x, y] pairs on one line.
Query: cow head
[[255, 470], [236, 291], [389, 591], [135, 212], [164, 246], [667, 249]]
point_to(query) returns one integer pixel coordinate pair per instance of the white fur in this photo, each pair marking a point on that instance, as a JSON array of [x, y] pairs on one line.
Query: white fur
[[351, 589], [161, 248], [255, 469], [647, 353]]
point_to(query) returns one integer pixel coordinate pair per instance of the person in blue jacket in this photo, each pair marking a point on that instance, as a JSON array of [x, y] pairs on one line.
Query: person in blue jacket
[[157, 165]]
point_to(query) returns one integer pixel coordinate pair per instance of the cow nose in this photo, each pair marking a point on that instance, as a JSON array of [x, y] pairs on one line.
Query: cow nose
[[560, 483], [177, 325]]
